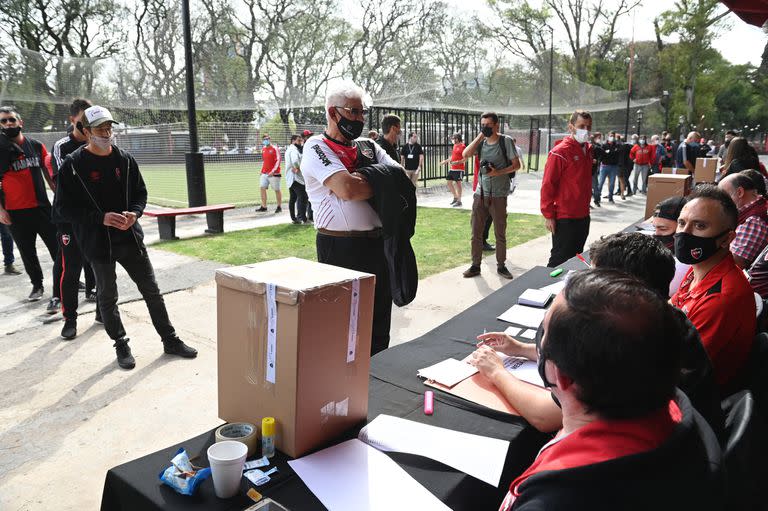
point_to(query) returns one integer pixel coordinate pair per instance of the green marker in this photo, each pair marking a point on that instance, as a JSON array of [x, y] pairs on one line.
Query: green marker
[[556, 272]]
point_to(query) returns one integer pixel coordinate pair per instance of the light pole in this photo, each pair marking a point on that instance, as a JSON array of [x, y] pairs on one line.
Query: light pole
[[639, 120], [551, 82], [194, 159]]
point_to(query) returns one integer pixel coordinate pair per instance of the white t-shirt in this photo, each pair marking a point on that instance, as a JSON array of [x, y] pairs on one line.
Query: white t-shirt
[[680, 270], [292, 157], [318, 163]]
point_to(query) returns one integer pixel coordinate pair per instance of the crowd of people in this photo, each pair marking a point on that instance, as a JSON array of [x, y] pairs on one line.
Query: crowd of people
[[99, 195]]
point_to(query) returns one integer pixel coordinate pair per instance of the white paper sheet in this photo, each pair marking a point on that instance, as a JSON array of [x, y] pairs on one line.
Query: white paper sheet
[[353, 476], [525, 316], [554, 288], [511, 330], [529, 334], [449, 372], [523, 369], [534, 297], [479, 456]]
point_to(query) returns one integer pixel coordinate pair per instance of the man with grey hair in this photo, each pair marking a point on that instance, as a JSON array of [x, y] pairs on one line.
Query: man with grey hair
[[687, 152], [349, 230]]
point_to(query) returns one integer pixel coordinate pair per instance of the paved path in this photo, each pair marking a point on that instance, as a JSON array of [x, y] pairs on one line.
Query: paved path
[[68, 413]]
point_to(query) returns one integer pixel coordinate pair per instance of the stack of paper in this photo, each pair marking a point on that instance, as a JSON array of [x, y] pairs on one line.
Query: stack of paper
[[525, 316], [524, 369], [448, 372], [535, 298]]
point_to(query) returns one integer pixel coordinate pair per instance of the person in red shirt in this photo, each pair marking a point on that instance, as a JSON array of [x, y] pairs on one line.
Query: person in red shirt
[[715, 294], [456, 169], [567, 190], [270, 174], [25, 207], [609, 350], [642, 155]]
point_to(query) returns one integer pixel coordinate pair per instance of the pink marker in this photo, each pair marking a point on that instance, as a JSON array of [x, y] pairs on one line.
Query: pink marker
[[429, 402], [581, 258]]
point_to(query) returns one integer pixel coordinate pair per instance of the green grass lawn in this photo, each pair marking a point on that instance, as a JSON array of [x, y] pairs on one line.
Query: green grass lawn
[[441, 241]]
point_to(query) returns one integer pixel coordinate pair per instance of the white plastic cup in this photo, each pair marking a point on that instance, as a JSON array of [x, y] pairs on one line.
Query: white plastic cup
[[227, 459]]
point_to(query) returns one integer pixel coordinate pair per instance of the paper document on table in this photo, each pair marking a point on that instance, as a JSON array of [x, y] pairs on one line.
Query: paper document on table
[[529, 334], [353, 476], [525, 316], [554, 288], [479, 456], [448, 372], [511, 330], [535, 298], [524, 369]]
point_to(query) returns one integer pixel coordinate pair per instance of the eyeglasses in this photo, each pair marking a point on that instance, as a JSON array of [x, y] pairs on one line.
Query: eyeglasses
[[106, 130], [8, 119], [354, 112]]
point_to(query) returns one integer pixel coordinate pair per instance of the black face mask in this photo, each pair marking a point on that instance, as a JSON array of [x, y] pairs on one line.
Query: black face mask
[[350, 129], [690, 249], [487, 131], [541, 363], [668, 240], [12, 132]]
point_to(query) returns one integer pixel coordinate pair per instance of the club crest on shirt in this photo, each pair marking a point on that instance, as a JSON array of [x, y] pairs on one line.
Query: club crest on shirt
[[576, 158], [367, 152], [65, 239], [94, 176], [117, 172], [696, 253]]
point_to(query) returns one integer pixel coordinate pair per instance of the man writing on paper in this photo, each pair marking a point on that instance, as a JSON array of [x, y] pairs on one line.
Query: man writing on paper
[[646, 259], [609, 351]]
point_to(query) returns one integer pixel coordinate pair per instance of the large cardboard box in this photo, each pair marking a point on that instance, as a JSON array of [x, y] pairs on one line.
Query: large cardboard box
[[663, 186], [674, 170], [705, 170], [310, 374]]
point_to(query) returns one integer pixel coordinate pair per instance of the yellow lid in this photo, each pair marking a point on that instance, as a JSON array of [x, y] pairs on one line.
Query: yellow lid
[[268, 426]]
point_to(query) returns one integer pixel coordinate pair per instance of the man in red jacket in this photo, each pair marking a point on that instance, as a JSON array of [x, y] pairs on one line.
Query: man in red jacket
[[642, 155], [567, 190]]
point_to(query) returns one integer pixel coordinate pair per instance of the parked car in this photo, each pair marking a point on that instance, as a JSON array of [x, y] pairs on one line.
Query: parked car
[[206, 149]]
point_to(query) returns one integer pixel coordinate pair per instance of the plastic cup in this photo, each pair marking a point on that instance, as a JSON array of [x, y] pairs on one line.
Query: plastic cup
[[227, 459]]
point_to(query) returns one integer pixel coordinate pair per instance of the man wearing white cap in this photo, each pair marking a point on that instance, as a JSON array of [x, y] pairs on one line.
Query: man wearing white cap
[[101, 192]]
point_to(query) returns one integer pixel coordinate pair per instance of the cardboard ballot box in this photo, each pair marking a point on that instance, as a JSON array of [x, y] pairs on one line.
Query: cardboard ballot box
[[663, 186], [308, 365], [705, 170], [674, 170]]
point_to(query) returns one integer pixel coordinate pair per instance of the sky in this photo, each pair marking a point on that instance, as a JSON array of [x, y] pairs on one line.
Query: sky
[[739, 42]]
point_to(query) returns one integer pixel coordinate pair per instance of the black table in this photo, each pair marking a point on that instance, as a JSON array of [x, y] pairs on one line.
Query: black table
[[395, 390]]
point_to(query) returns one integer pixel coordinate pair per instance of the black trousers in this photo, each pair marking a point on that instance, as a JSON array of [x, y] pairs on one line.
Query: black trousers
[[26, 226], [297, 204], [72, 263], [136, 263], [367, 255], [568, 240], [7, 242]]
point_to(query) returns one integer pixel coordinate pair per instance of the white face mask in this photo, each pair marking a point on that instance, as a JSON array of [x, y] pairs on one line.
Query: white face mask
[[581, 135], [610, 139], [103, 142]]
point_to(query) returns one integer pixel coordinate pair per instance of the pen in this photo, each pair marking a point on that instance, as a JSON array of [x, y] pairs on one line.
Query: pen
[[581, 258]]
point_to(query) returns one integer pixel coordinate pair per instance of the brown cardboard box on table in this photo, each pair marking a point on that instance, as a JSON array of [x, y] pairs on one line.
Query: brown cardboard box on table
[[663, 186], [673, 170], [317, 393], [705, 170]]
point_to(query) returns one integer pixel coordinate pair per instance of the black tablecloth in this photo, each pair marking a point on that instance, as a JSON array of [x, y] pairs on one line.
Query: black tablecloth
[[395, 390]]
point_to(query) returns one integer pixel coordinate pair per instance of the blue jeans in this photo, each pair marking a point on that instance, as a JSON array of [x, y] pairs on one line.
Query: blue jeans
[[609, 171], [7, 242]]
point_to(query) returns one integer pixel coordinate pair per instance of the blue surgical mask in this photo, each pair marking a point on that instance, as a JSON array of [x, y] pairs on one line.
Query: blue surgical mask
[[265, 142]]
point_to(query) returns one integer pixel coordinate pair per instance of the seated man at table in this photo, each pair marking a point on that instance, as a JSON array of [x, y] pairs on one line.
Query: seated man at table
[[715, 294], [609, 353], [642, 257]]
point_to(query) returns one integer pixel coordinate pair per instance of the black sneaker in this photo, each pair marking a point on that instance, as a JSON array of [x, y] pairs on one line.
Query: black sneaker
[[10, 269], [36, 294], [175, 346], [597, 204], [69, 331], [278, 209], [123, 351], [472, 271], [487, 247], [456, 204], [90, 296], [611, 201], [262, 209], [296, 222], [504, 272], [54, 306], [452, 202]]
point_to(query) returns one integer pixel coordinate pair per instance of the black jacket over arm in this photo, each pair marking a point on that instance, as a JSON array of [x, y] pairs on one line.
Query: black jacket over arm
[[394, 199], [75, 203]]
